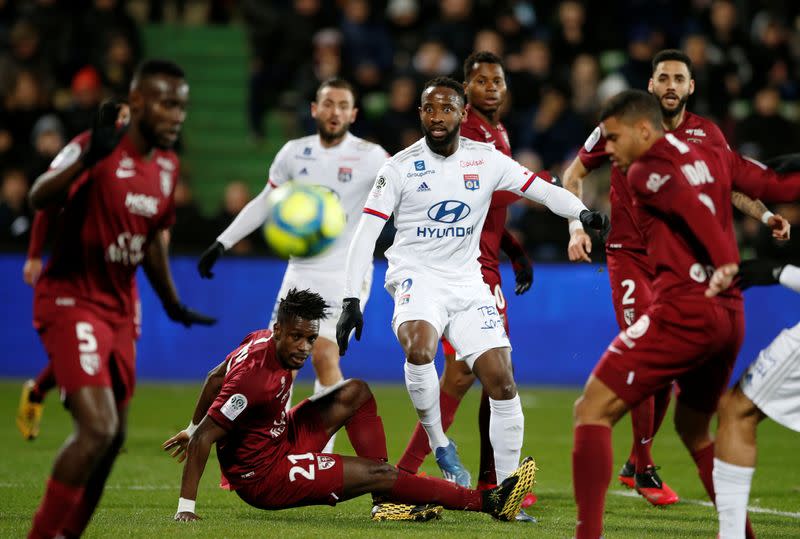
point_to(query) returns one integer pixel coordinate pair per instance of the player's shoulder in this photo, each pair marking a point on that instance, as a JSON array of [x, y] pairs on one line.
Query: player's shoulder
[[360, 145], [409, 155], [72, 150], [303, 146], [474, 146], [702, 127], [593, 141]]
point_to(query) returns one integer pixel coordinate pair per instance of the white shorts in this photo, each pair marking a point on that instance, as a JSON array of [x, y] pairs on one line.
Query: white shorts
[[465, 313], [772, 381], [326, 283]]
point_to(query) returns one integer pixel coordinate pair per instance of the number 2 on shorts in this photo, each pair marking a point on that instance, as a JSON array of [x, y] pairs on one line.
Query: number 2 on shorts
[[307, 473]]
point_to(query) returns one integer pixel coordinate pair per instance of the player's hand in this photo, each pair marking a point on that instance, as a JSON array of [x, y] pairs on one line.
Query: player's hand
[[209, 258], [106, 132], [176, 446], [580, 246], [523, 274], [721, 279], [759, 273], [179, 312], [351, 318], [781, 228], [31, 270], [597, 221], [186, 516]]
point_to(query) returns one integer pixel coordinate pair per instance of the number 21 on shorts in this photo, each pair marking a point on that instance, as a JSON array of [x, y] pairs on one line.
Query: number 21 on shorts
[[308, 471]]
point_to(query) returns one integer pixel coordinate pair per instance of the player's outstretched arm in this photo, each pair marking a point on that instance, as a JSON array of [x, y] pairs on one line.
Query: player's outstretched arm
[[177, 444], [781, 228], [156, 267], [207, 433], [580, 244], [250, 218]]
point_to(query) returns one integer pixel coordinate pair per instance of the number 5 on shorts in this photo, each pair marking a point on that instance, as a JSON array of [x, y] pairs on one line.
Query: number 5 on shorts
[[307, 473], [87, 346]]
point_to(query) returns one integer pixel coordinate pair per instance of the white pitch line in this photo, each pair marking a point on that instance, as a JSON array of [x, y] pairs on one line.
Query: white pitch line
[[706, 503]]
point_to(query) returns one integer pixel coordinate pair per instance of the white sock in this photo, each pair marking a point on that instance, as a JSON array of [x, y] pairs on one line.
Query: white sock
[[422, 383], [732, 486], [506, 430], [317, 388]]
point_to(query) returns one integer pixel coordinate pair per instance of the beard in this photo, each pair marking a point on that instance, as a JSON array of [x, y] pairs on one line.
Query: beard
[[671, 113], [330, 136], [442, 144]]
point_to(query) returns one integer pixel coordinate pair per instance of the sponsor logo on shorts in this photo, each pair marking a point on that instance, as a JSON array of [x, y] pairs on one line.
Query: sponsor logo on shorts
[[234, 406], [404, 292], [491, 318], [639, 328], [325, 462]]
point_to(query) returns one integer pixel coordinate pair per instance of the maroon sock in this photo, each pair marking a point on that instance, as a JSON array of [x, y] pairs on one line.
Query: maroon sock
[[642, 419], [45, 381], [591, 474], [419, 446], [486, 473], [419, 490], [56, 506], [365, 430], [704, 459], [661, 404]]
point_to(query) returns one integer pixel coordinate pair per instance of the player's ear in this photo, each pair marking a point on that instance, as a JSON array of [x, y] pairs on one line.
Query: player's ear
[[691, 86], [650, 85], [313, 109], [136, 100], [353, 114]]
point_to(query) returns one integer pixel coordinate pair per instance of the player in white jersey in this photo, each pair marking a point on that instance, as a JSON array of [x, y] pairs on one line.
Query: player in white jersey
[[339, 161], [439, 190], [769, 388]]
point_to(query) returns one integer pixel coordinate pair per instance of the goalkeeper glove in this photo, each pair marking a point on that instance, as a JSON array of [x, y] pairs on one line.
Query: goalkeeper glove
[[209, 258], [351, 318]]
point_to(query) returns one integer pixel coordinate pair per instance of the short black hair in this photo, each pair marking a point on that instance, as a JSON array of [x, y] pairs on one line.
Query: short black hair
[[303, 304], [336, 82], [481, 57], [158, 67], [447, 82], [676, 55], [632, 105]]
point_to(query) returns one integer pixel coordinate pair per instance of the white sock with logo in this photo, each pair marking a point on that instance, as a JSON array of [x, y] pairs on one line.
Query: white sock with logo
[[317, 388], [732, 486], [422, 383], [506, 429]]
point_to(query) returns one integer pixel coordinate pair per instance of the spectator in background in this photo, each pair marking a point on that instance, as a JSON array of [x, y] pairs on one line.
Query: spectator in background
[[24, 54], [86, 91], [52, 22], [489, 40], [47, 139], [571, 35], [637, 69], [400, 124], [454, 26], [15, 216], [326, 63], [765, 133], [432, 59], [24, 105], [404, 27], [117, 64], [729, 48], [528, 73], [772, 59], [555, 131], [236, 197], [97, 28], [584, 81], [367, 48], [192, 231]]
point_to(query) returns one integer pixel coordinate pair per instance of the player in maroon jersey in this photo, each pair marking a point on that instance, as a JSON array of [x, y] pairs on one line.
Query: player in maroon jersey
[[273, 459], [681, 195], [116, 189], [485, 86], [630, 272]]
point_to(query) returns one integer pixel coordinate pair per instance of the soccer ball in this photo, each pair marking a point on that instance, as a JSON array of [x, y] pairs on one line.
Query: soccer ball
[[304, 220]]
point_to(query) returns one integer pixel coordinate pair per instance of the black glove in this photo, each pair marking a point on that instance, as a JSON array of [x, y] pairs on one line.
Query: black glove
[[350, 318], [596, 220], [523, 274], [179, 312], [759, 273], [105, 133], [783, 164], [550, 177], [209, 258]]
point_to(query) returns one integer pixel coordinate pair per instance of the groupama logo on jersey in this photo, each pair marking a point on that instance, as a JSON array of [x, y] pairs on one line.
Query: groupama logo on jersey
[[448, 211]]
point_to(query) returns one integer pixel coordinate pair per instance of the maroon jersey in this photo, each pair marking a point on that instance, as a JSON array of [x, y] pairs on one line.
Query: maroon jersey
[[682, 195], [109, 218], [251, 406], [475, 128], [624, 231]]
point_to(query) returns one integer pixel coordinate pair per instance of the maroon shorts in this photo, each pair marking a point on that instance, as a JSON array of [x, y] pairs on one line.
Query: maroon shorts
[[299, 474], [499, 300], [691, 341], [85, 348], [631, 290]]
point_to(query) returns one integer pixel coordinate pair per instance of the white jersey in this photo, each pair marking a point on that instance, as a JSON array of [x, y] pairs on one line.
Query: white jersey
[[439, 205], [348, 169]]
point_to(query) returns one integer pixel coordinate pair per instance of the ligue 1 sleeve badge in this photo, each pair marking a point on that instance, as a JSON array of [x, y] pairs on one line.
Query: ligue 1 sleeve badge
[[472, 182]]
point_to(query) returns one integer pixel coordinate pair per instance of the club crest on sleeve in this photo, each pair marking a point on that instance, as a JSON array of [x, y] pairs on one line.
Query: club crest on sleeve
[[324, 462], [472, 182], [345, 174]]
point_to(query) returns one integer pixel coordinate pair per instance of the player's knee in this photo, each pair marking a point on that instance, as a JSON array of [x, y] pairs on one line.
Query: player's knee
[[735, 406], [420, 356], [500, 385], [354, 393], [97, 437]]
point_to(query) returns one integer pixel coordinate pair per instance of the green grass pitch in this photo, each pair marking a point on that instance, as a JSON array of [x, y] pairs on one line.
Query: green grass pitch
[[142, 492]]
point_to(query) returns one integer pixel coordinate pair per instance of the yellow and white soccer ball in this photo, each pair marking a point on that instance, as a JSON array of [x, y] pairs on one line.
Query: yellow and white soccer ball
[[304, 220]]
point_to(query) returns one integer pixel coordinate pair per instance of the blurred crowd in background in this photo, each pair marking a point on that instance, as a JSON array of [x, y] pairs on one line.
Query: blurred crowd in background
[[59, 59]]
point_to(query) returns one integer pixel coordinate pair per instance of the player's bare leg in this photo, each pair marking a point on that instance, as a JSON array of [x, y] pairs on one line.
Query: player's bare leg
[[735, 460], [325, 359], [596, 411], [694, 429], [454, 384], [96, 424], [420, 340]]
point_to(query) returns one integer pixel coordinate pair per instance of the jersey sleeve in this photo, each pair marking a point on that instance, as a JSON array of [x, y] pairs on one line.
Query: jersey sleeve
[[280, 171], [385, 193], [593, 154], [168, 219], [659, 185], [755, 180], [236, 398], [39, 229]]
